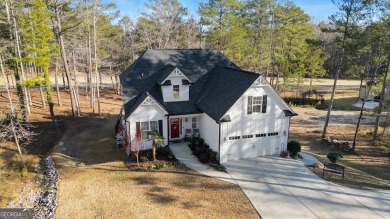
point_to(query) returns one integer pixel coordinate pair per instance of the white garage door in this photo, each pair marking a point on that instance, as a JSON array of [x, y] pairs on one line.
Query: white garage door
[[252, 147]]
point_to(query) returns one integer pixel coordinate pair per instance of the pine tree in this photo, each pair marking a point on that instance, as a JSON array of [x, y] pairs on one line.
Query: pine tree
[[40, 44], [226, 29], [351, 14]]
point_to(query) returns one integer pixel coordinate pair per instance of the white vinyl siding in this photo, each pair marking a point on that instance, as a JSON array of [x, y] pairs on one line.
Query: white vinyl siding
[[256, 128]]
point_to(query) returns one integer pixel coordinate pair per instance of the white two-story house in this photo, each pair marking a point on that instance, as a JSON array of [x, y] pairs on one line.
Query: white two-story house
[[176, 92]]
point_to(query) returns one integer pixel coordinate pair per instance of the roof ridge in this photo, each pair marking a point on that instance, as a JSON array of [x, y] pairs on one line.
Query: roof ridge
[[241, 70], [185, 49], [208, 75]]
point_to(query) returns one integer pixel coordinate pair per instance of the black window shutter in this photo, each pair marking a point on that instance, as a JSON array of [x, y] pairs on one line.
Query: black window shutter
[[264, 106], [138, 126], [160, 127], [250, 105]]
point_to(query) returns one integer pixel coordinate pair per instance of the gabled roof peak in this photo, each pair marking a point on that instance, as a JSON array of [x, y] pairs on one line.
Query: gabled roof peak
[[132, 105], [170, 70]]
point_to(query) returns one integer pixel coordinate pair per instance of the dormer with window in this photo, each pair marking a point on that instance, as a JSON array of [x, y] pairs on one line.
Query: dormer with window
[[175, 86]]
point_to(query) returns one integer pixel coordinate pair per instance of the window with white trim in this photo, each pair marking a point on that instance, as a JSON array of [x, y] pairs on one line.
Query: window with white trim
[[176, 91], [194, 122], [154, 125], [149, 126], [257, 104], [145, 129]]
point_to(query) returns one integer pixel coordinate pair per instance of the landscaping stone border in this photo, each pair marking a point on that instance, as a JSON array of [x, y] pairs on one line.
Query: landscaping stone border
[[46, 204]]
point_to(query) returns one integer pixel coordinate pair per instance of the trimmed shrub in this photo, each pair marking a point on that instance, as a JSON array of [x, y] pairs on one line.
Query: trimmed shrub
[[170, 156], [220, 168], [198, 151], [334, 157], [201, 141], [211, 155], [294, 147], [203, 158], [162, 151], [297, 101], [144, 159]]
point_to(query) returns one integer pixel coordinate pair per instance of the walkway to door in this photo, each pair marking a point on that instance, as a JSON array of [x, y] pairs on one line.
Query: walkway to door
[[184, 155]]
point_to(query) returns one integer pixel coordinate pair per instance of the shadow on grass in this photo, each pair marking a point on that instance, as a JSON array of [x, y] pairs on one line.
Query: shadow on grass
[[89, 140], [46, 137]]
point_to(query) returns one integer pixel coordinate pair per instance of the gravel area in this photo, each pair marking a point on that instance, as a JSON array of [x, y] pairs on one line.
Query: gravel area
[[44, 201], [336, 117], [47, 202]]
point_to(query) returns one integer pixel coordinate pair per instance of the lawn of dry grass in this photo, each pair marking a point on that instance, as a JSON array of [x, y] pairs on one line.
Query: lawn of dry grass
[[12, 180], [96, 183], [367, 167]]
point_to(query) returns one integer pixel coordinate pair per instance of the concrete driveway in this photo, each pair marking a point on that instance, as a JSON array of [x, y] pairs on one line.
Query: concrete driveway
[[285, 188]]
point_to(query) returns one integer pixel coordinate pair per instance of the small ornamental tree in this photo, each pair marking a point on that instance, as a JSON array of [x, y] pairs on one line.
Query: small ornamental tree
[[136, 147], [157, 140]]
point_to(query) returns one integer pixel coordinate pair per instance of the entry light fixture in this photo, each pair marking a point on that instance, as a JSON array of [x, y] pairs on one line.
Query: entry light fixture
[[186, 119]]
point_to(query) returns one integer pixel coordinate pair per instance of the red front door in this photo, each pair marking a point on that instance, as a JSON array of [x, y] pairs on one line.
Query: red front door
[[175, 128]]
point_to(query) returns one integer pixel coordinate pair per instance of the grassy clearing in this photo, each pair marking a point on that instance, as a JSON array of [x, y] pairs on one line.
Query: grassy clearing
[[344, 100], [94, 182]]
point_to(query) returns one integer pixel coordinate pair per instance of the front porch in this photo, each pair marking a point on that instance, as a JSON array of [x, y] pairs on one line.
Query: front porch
[[183, 127]]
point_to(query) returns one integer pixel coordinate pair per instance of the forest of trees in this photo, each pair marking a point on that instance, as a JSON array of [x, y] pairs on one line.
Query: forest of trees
[[276, 38]]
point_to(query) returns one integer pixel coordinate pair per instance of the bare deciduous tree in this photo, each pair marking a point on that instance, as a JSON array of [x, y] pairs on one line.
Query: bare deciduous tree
[[19, 132]]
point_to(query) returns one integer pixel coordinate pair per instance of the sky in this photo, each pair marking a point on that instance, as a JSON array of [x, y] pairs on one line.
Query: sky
[[317, 9]]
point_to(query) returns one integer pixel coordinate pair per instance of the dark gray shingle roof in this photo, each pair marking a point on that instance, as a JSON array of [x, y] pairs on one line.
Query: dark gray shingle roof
[[152, 67], [165, 73], [216, 84], [147, 69], [222, 89], [132, 105]]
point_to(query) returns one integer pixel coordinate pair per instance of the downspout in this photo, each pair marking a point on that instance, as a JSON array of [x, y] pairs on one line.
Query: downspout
[[219, 143], [288, 131], [168, 129]]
